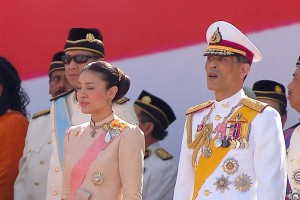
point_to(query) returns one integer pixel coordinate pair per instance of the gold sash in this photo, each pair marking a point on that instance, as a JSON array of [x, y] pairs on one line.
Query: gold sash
[[208, 165]]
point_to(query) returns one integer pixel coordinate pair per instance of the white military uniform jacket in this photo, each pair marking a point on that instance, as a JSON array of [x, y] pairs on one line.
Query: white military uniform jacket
[[31, 182], [263, 161], [293, 159], [54, 186], [159, 174]]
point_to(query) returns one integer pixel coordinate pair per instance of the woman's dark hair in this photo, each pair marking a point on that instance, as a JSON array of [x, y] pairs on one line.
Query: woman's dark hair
[[13, 96], [112, 75]]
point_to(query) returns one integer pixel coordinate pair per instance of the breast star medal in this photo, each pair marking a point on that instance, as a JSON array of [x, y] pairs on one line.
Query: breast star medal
[[230, 165], [296, 177], [242, 182], [97, 178], [222, 183]]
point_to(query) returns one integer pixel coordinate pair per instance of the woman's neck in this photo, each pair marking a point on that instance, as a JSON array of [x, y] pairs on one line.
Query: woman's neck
[[101, 114]]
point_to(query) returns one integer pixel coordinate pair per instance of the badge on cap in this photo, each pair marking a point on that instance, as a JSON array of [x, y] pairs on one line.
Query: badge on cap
[[216, 37], [90, 37]]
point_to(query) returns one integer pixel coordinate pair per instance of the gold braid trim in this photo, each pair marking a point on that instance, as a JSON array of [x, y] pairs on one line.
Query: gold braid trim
[[199, 141]]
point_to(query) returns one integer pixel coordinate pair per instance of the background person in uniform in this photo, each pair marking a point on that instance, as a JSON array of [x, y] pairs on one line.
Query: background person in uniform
[[103, 157], [13, 126], [160, 171], [292, 139], [83, 45], [33, 167], [221, 156], [272, 93]]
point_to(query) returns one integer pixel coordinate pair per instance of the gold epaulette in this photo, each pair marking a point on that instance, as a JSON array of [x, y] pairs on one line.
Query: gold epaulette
[[254, 104], [122, 100], [199, 107], [41, 113], [163, 154], [62, 94]]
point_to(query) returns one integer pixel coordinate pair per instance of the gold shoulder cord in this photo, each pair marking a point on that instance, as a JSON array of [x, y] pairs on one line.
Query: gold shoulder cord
[[199, 139]]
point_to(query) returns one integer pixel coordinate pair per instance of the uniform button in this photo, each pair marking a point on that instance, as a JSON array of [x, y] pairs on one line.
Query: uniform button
[[54, 193], [36, 183], [42, 161], [207, 192], [56, 169], [29, 150], [49, 141]]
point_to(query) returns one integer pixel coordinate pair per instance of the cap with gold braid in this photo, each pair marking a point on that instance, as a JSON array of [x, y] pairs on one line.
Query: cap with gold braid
[[88, 39], [267, 89], [156, 108], [224, 39], [56, 63]]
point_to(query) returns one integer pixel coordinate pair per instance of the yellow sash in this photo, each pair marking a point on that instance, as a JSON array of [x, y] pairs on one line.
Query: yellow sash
[[208, 165]]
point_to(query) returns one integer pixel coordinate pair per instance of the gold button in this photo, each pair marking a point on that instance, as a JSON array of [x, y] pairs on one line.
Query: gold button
[[42, 162], [207, 192], [36, 183], [49, 141], [56, 169], [217, 117], [54, 193]]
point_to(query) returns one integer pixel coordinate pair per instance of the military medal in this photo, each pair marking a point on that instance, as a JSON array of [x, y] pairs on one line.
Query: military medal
[[232, 143], [242, 182], [206, 151], [242, 144], [238, 144], [221, 130], [222, 183], [97, 178], [230, 166], [114, 132], [296, 177], [218, 143], [107, 137], [225, 143]]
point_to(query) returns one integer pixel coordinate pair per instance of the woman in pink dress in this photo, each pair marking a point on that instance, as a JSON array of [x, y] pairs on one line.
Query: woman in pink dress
[[103, 158]]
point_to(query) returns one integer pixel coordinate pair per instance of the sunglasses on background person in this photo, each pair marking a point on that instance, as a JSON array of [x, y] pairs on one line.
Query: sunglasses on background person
[[79, 59]]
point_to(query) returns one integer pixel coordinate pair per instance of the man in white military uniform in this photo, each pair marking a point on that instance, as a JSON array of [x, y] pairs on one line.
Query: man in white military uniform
[[82, 47], [160, 171], [222, 157], [33, 167], [292, 140]]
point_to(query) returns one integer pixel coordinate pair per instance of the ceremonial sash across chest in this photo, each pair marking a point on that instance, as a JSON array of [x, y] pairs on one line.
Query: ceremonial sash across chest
[[208, 165], [80, 169], [61, 124], [287, 137]]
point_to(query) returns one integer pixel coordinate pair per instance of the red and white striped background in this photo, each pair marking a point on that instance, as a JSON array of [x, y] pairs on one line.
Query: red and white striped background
[[158, 43]]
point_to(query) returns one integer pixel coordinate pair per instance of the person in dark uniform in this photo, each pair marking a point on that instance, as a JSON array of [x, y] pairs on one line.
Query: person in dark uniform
[[272, 93], [292, 140], [160, 172]]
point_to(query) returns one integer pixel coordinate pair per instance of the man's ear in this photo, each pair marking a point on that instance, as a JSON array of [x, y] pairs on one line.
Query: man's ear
[[244, 70], [147, 128]]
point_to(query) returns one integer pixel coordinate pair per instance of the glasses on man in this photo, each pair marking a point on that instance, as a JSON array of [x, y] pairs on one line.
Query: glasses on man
[[79, 59]]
